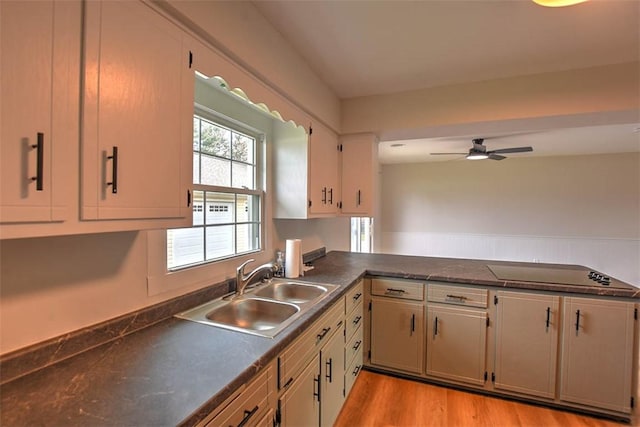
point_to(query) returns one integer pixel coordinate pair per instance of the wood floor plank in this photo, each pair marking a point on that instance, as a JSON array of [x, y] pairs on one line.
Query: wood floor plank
[[378, 400]]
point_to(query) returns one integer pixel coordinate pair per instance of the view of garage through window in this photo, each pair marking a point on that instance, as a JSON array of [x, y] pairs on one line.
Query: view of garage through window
[[361, 234], [226, 200]]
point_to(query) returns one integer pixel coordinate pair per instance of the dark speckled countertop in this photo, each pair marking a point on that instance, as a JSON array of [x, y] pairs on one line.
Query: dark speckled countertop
[[176, 371]]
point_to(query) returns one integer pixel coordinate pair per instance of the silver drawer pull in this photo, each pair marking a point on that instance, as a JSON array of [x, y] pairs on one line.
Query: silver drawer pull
[[457, 297]]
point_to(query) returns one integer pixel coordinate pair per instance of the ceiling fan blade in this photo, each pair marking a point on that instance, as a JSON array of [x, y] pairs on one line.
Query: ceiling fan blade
[[439, 154], [496, 157], [512, 150]]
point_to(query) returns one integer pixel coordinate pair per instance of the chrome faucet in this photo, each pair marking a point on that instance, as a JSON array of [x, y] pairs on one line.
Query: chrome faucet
[[242, 280]]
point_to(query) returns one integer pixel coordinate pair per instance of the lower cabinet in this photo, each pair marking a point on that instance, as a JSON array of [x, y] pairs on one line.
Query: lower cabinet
[[312, 380], [354, 336], [456, 343], [397, 326], [332, 369], [300, 404], [526, 328], [557, 348], [457, 323], [597, 353]]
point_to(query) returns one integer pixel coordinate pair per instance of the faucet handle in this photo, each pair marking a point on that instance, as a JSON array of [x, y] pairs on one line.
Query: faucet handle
[[241, 268]]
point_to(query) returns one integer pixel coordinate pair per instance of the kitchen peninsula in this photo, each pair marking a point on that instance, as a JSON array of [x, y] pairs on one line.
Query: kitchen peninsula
[[176, 372]]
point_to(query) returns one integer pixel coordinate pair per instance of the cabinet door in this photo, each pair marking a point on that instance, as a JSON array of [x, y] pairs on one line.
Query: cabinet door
[[323, 183], [597, 353], [332, 370], [527, 343], [359, 168], [300, 405], [138, 109], [26, 32], [456, 343], [397, 334]]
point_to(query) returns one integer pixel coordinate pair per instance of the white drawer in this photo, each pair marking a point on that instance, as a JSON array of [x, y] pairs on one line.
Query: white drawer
[[354, 297], [354, 320], [354, 346], [298, 354], [350, 375], [249, 407], [458, 295], [404, 289]]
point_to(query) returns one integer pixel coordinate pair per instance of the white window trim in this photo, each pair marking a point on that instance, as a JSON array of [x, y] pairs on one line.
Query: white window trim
[[162, 281]]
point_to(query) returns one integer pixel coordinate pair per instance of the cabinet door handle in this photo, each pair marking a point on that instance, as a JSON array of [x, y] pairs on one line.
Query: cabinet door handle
[[356, 346], [331, 196], [39, 146], [329, 374], [316, 380], [548, 317], [248, 415], [356, 297], [324, 195], [435, 327], [114, 170], [356, 370], [359, 200], [357, 320], [577, 322], [413, 323]]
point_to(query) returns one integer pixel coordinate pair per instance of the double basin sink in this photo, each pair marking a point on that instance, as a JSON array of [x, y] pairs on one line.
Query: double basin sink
[[263, 310]]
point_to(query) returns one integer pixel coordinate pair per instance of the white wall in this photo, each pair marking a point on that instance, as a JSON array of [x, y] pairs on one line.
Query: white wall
[[239, 30], [573, 209], [333, 233]]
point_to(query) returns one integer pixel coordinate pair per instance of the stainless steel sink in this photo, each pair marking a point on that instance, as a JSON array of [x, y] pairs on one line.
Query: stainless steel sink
[[293, 292], [264, 310], [253, 314]]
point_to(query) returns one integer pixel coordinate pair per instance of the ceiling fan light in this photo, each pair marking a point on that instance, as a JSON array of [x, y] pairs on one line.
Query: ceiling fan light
[[557, 3], [477, 156]]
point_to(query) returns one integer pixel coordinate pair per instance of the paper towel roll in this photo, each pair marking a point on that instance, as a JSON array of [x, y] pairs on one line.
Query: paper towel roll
[[293, 256]]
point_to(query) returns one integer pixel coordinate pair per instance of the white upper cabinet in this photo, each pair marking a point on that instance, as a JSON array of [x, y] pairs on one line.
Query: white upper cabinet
[[27, 143], [324, 188], [137, 115], [359, 174], [305, 172]]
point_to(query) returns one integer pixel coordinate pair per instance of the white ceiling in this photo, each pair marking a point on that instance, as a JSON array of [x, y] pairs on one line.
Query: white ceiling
[[361, 47]]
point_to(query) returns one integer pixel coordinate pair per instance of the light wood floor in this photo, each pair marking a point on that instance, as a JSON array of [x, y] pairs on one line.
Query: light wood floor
[[382, 400]]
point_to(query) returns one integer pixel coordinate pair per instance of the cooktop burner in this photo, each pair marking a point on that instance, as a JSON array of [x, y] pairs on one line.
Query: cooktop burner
[[580, 277]]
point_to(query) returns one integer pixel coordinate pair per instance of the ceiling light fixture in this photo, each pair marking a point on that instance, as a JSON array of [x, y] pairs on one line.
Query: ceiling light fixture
[[477, 156], [558, 3]]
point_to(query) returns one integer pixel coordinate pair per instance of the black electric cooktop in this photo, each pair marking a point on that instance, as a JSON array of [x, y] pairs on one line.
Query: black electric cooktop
[[580, 277]]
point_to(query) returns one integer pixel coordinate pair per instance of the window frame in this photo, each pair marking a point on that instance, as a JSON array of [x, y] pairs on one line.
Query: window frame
[[224, 121]]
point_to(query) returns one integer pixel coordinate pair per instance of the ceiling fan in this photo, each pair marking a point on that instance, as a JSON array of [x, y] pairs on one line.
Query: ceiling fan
[[479, 151]]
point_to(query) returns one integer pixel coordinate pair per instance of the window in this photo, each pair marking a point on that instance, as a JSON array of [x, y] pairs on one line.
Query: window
[[361, 234], [227, 202]]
